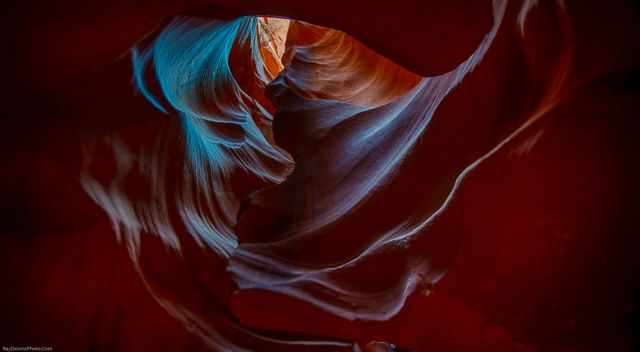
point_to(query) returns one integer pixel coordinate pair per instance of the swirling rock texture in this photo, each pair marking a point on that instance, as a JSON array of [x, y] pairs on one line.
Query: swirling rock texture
[[282, 176]]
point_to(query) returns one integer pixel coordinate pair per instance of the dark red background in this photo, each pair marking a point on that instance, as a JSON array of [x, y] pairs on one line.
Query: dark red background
[[542, 249]]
